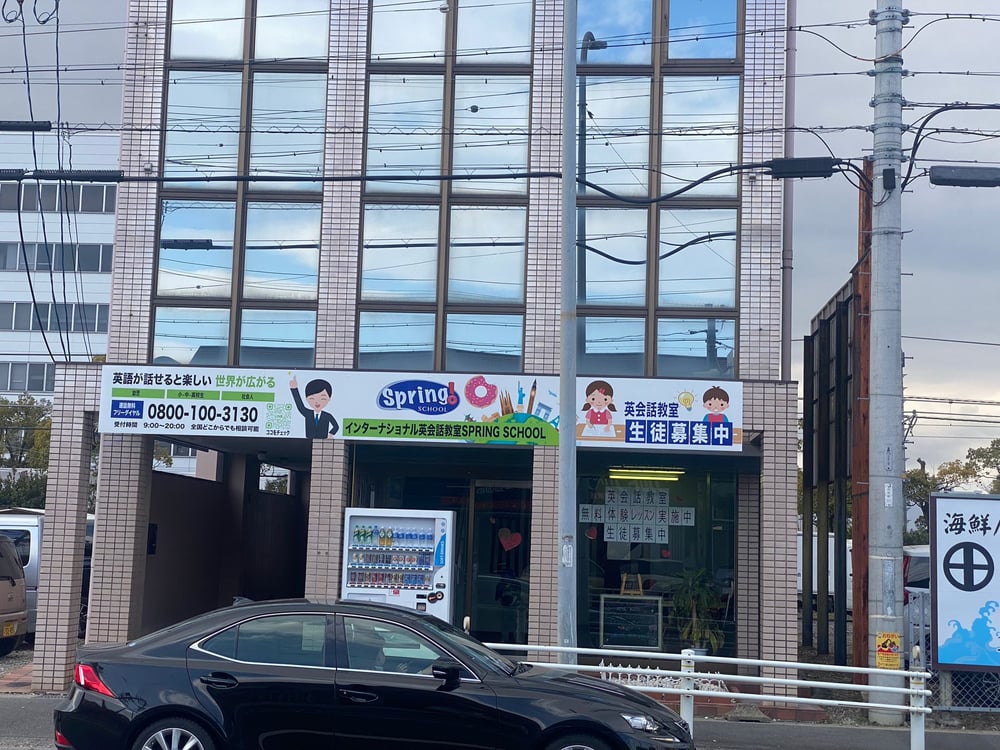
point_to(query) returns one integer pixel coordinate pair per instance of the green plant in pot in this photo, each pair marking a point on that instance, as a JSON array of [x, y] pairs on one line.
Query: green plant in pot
[[695, 597]]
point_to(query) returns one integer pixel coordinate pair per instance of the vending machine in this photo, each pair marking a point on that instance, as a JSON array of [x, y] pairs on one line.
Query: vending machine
[[402, 557]]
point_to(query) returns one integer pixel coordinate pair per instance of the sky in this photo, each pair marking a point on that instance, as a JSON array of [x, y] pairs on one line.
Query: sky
[[949, 247]]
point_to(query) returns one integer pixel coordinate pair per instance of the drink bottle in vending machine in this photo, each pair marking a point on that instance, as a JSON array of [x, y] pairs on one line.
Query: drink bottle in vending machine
[[402, 557]]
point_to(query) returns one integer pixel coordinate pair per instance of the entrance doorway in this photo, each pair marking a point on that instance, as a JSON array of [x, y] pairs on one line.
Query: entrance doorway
[[492, 543]]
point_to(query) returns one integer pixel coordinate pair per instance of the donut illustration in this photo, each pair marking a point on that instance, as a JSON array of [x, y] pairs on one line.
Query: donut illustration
[[479, 393]]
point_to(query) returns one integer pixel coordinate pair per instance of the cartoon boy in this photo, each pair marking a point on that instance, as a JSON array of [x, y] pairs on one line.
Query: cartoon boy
[[319, 423], [716, 401]]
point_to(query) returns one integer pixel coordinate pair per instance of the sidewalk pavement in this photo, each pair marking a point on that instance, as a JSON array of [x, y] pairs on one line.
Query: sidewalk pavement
[[26, 724]]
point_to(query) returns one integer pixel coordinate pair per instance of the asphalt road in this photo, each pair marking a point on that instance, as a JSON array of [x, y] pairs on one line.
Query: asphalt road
[[26, 724]]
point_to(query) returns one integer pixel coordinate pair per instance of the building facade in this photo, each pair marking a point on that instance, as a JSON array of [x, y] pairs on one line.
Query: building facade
[[373, 188]]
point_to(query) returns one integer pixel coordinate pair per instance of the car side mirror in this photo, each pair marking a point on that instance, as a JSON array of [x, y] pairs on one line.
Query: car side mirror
[[448, 670]]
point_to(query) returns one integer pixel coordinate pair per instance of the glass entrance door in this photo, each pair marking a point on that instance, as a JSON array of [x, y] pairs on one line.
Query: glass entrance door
[[498, 555]]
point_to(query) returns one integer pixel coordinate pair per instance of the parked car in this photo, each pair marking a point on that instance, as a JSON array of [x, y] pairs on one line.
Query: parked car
[[25, 527], [13, 598], [292, 675]]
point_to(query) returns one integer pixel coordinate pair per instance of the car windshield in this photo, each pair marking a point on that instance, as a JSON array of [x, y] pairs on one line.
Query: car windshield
[[470, 648]]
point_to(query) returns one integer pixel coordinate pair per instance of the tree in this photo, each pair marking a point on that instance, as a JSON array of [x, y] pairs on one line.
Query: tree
[[25, 489], [918, 486], [20, 421], [985, 462]]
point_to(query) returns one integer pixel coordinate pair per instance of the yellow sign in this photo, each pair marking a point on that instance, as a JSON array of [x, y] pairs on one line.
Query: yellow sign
[[888, 651]]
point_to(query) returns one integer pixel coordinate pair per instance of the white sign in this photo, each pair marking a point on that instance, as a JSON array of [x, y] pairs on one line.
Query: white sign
[[671, 415], [965, 554]]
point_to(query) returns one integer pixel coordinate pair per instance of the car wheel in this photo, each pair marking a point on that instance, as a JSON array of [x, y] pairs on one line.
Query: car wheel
[[578, 742], [174, 733], [9, 645]]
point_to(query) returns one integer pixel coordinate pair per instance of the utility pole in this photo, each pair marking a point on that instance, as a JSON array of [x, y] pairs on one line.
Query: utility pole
[[886, 506], [566, 579]]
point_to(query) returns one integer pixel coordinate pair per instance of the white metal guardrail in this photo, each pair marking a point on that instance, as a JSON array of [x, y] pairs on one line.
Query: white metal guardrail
[[682, 682]]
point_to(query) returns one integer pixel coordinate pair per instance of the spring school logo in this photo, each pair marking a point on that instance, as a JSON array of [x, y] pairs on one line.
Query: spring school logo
[[422, 396]]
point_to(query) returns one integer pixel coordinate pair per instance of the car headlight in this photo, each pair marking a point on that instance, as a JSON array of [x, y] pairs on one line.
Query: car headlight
[[642, 722], [646, 723]]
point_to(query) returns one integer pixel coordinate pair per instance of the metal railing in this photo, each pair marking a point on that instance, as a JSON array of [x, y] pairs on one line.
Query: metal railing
[[688, 682]]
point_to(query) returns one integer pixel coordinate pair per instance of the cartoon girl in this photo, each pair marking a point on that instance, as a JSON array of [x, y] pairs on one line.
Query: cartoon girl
[[599, 405]]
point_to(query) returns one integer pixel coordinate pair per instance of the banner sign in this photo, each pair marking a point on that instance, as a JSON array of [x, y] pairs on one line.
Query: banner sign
[[965, 552], [416, 407]]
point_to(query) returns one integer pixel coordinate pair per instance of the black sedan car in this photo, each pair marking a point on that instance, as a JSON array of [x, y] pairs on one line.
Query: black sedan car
[[294, 675]]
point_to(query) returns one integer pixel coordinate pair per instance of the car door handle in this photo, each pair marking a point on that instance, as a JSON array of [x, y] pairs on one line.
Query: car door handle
[[219, 680], [358, 696]]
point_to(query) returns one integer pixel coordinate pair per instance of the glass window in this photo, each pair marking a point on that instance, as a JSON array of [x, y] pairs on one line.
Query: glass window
[[196, 249], [190, 336], [697, 258], [110, 191], [19, 376], [625, 25], [612, 346], [29, 198], [399, 253], [69, 197], [298, 639], [85, 318], [484, 343], [24, 316], [287, 128], [106, 256], [93, 199], [395, 341], [203, 126], [61, 317], [88, 258], [404, 131], [9, 195], [700, 127], [292, 28], [278, 338], [49, 197], [373, 645], [282, 251], [36, 376], [50, 378], [407, 31], [498, 32], [615, 131], [102, 318], [10, 252], [612, 271], [4, 374], [64, 257], [486, 254], [40, 321], [491, 132], [206, 31], [6, 316], [42, 255], [702, 28], [695, 348]]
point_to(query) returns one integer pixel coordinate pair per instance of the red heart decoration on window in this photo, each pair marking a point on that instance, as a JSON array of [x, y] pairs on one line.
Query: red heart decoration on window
[[509, 539]]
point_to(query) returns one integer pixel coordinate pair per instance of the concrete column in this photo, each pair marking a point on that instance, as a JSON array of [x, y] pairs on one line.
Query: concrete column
[[74, 425], [328, 495]]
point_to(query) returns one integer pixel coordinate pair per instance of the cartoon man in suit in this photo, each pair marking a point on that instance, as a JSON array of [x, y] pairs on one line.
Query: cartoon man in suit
[[319, 423]]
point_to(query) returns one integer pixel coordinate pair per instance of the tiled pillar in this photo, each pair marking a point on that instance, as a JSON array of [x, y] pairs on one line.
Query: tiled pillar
[[338, 273], [544, 569], [761, 214], [118, 567], [74, 424], [766, 534], [327, 498]]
